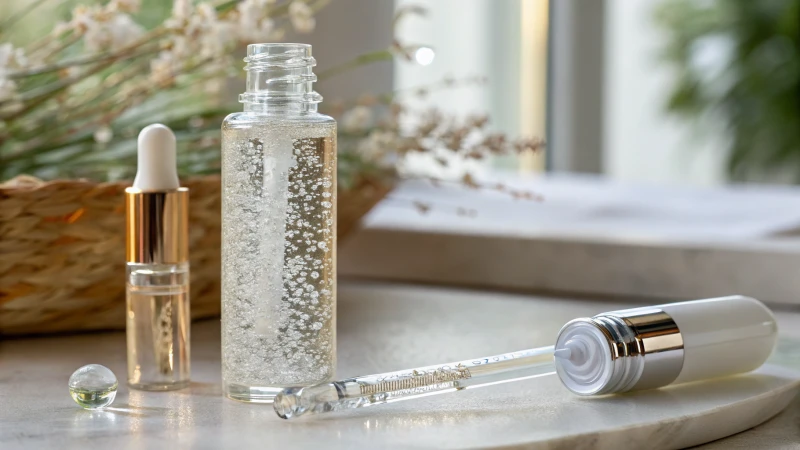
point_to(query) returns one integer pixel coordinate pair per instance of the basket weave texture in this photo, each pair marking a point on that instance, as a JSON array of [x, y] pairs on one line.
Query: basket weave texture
[[62, 250]]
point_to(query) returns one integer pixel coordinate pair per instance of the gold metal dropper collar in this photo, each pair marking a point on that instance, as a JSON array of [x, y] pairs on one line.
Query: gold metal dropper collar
[[157, 226]]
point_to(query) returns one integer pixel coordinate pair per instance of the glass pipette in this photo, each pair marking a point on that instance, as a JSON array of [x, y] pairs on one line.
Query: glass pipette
[[391, 387], [612, 352]]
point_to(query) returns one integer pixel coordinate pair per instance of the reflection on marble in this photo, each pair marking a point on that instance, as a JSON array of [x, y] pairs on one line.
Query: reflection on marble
[[382, 328]]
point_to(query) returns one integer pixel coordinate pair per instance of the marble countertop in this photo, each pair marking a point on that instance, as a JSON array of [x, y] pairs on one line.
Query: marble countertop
[[388, 327]]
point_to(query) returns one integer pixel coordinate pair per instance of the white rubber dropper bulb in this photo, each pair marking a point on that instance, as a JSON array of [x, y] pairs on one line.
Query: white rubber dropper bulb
[[156, 168]]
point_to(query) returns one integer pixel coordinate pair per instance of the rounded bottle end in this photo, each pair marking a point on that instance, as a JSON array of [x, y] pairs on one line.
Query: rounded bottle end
[[287, 403], [583, 357], [156, 161]]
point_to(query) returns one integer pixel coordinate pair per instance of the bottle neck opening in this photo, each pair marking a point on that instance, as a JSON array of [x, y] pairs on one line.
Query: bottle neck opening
[[280, 79]]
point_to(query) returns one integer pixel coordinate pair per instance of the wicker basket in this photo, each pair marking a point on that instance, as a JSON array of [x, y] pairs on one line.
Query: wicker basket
[[62, 252]]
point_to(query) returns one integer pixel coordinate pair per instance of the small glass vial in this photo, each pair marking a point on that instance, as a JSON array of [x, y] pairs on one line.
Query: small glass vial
[[278, 230]]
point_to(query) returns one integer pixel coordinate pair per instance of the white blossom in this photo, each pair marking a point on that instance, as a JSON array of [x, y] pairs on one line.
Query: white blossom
[[103, 135], [182, 47], [181, 11], [196, 122], [259, 31], [108, 28], [253, 23], [84, 18], [10, 59], [201, 33], [302, 17], [60, 28], [7, 88], [214, 86], [266, 28], [210, 32], [376, 147], [357, 119], [73, 72], [128, 6], [163, 69], [221, 39], [114, 33], [124, 31], [105, 28], [253, 10], [207, 12], [257, 8]]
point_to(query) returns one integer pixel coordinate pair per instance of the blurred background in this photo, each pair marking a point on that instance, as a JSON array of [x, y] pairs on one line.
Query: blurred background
[[665, 91], [631, 148], [659, 91]]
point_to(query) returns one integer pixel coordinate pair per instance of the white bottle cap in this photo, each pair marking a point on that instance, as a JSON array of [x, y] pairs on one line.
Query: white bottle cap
[[156, 207], [156, 165], [619, 351], [650, 347]]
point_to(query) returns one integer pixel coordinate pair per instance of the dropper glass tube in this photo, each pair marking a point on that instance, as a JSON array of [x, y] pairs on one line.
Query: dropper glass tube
[[391, 387], [609, 353]]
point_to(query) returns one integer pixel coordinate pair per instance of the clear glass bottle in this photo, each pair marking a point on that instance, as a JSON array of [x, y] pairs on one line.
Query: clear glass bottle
[[278, 230]]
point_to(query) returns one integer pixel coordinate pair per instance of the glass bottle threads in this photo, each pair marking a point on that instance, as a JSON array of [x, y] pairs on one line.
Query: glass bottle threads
[[278, 230]]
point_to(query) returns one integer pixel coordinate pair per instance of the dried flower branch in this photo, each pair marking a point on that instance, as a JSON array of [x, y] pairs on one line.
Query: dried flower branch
[[72, 102], [378, 136], [93, 71]]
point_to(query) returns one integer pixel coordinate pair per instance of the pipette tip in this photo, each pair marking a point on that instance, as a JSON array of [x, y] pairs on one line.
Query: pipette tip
[[286, 403]]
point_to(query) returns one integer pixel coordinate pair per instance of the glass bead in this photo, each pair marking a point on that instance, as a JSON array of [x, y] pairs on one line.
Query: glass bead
[[93, 386]]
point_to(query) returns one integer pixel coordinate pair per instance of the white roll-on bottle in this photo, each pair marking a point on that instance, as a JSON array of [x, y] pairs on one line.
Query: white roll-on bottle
[[650, 347]]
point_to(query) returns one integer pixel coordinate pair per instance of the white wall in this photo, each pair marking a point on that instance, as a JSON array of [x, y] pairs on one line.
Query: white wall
[[575, 86], [641, 141], [346, 29], [471, 38], [481, 38]]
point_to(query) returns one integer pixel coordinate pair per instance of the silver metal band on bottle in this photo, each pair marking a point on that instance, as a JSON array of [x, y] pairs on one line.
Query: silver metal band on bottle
[[646, 350]]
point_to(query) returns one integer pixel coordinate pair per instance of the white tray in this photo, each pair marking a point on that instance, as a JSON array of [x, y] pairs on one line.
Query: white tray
[[381, 328]]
